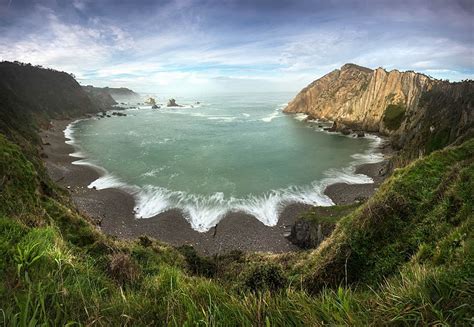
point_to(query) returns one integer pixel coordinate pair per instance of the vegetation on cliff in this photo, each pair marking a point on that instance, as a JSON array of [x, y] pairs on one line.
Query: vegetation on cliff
[[393, 116], [31, 96], [405, 257]]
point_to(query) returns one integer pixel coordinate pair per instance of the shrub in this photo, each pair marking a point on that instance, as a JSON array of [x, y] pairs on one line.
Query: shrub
[[122, 268], [197, 264], [393, 116], [145, 241]]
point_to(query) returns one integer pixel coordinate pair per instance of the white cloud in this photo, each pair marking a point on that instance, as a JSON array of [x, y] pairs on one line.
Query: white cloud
[[63, 46], [173, 49]]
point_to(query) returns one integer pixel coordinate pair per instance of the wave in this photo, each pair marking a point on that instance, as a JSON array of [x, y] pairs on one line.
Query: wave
[[222, 118], [275, 114], [204, 212], [300, 116]]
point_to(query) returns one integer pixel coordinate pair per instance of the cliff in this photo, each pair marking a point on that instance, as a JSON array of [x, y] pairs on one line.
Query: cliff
[[120, 94], [31, 96], [100, 97], [398, 104]]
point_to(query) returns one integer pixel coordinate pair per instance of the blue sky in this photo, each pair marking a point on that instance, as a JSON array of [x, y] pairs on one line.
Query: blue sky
[[186, 46]]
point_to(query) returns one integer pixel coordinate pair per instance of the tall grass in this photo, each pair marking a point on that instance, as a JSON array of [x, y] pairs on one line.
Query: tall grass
[[403, 258]]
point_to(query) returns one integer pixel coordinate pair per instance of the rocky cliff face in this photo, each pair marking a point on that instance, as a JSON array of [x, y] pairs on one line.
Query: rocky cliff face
[[112, 95], [100, 97], [394, 103]]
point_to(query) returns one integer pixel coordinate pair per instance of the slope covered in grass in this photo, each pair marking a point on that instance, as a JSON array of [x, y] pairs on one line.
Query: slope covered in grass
[[404, 257]]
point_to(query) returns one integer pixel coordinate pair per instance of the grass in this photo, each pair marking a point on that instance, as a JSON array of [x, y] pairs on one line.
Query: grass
[[417, 206], [404, 258]]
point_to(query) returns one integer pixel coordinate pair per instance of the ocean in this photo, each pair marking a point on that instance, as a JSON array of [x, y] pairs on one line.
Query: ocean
[[217, 154]]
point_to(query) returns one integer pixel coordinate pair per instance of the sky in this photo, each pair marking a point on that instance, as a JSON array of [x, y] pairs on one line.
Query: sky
[[193, 46]]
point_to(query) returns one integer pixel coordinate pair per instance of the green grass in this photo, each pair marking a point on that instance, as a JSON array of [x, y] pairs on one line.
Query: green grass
[[393, 116], [404, 258], [416, 207]]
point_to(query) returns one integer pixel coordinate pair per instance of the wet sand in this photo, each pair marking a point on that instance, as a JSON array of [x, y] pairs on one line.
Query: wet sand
[[113, 208]]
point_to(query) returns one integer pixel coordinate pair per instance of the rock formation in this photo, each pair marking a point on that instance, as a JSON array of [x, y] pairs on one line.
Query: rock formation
[[307, 235], [120, 94], [150, 101], [172, 103], [100, 97], [398, 104]]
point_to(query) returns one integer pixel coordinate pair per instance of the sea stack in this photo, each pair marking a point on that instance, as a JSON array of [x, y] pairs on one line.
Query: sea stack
[[172, 103]]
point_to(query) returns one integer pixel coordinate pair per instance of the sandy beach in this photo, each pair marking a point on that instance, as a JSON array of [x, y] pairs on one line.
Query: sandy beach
[[113, 208]]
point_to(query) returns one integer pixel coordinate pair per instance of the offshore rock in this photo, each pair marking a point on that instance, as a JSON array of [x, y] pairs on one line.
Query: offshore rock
[[172, 103]]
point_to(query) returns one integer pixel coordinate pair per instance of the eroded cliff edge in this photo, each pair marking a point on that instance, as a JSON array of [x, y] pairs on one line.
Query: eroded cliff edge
[[419, 114]]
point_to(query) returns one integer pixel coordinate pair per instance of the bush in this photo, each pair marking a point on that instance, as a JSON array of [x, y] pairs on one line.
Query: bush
[[393, 116], [122, 268], [197, 264]]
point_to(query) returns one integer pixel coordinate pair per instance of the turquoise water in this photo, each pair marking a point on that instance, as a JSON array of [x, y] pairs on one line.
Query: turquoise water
[[235, 152]]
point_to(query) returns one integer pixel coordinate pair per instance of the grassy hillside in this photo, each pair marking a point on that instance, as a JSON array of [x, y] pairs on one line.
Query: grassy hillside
[[405, 257]]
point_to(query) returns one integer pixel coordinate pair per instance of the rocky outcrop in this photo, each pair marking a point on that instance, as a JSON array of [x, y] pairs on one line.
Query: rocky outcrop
[[172, 103], [307, 234], [359, 96], [150, 101], [392, 103], [118, 94]]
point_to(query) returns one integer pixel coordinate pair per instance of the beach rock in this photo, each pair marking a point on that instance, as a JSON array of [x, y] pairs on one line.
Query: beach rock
[[172, 103], [360, 133], [345, 131], [155, 107]]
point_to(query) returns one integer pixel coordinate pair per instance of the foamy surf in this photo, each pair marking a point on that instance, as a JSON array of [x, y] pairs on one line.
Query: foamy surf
[[300, 116]]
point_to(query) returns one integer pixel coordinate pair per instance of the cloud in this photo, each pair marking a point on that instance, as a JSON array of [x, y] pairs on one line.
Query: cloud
[[182, 45]]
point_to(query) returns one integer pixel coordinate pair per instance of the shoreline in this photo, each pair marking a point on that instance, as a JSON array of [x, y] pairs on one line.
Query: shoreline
[[112, 208]]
